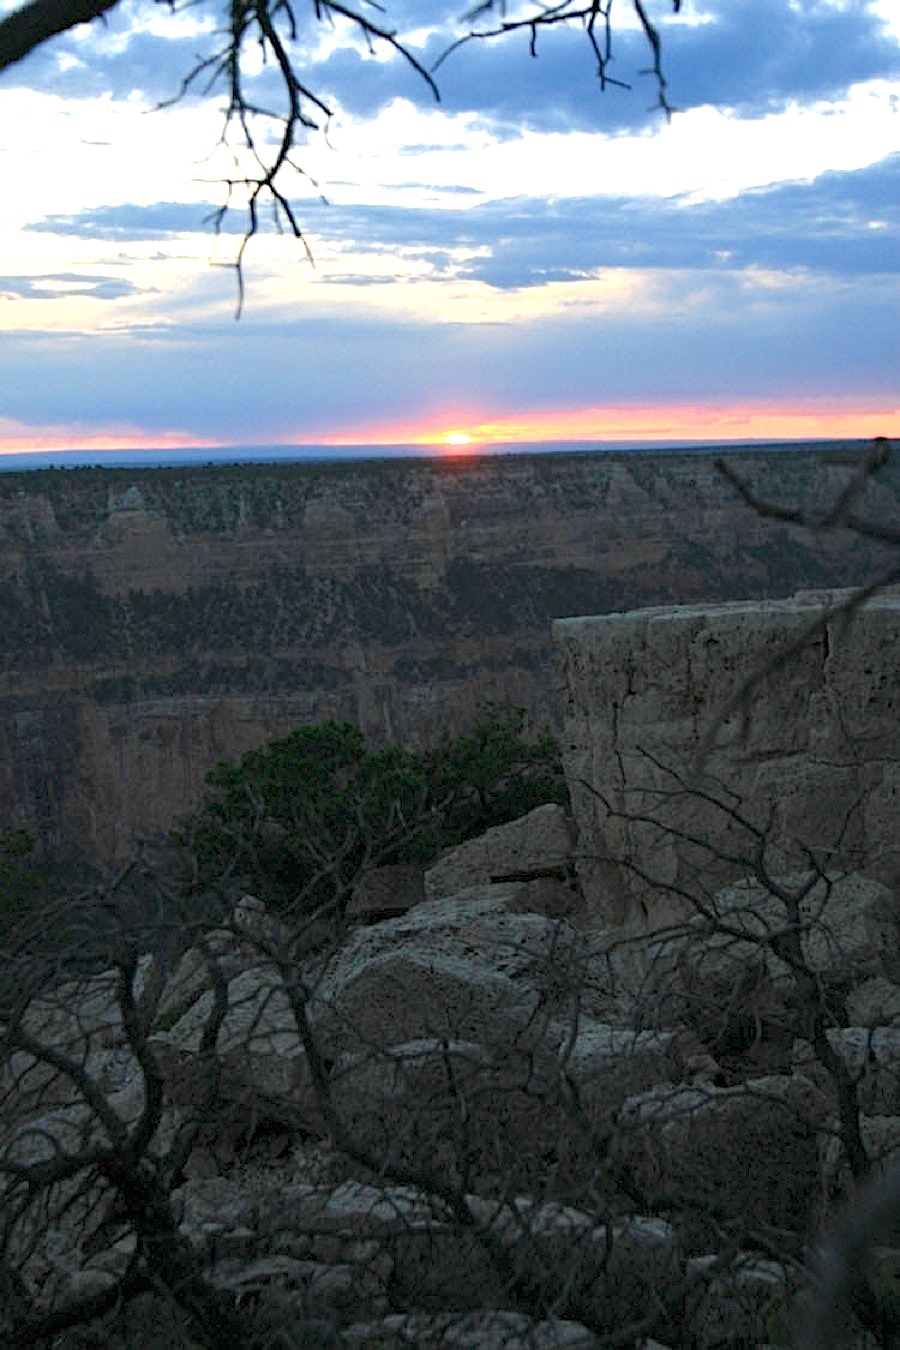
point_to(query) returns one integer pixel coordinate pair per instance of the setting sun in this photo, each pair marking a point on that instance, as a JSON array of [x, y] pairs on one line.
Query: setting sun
[[457, 438]]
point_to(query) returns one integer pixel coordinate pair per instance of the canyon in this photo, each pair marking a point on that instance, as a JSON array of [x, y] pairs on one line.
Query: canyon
[[153, 622]]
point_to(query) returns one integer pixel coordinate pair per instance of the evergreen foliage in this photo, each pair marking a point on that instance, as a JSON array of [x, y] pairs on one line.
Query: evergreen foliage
[[20, 881], [299, 819]]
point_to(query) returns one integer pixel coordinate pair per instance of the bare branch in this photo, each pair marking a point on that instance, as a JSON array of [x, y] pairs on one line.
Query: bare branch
[[33, 24]]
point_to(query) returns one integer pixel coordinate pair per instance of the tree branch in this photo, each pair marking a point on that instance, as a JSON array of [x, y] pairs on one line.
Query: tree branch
[[27, 28]]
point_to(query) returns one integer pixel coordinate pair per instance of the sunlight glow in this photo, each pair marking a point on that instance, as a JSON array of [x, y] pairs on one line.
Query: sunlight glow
[[645, 423]]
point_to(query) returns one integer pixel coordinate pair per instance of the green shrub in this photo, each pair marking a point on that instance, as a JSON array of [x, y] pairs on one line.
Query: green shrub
[[299, 819], [20, 881]]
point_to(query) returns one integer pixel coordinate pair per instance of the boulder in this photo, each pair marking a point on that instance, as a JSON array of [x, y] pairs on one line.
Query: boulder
[[456, 1115], [538, 844], [193, 976], [722, 976], [603, 1274], [745, 1300], [465, 968], [385, 892], [317, 1293], [534, 1116], [212, 1207], [881, 1140], [731, 1158], [607, 1064], [259, 929], [395, 1234], [871, 1055], [83, 1014], [874, 1003], [260, 1066]]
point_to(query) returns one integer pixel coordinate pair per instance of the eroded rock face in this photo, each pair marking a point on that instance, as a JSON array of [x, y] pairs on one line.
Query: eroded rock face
[[815, 766]]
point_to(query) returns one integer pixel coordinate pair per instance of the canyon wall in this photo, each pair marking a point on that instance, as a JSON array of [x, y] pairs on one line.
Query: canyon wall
[[155, 621]]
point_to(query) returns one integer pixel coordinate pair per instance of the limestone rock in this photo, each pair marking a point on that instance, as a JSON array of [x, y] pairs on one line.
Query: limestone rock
[[464, 968], [193, 975], [874, 1003], [385, 892], [457, 1114], [872, 1055], [881, 1140], [538, 843], [208, 1208], [260, 1059], [253, 922], [823, 734], [604, 1274], [473, 1331], [746, 1303], [694, 1143], [82, 1013], [721, 976], [609, 1064], [431, 1262]]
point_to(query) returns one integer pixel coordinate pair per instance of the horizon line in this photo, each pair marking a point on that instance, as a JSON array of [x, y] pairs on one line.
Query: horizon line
[[188, 455]]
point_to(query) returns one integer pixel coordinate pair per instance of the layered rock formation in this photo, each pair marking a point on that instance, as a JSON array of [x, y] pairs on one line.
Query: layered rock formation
[[156, 621]]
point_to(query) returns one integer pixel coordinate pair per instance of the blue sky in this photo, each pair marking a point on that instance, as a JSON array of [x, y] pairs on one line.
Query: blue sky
[[531, 258]]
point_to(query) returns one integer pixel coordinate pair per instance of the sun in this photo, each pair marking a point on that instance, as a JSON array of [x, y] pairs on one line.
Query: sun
[[457, 438]]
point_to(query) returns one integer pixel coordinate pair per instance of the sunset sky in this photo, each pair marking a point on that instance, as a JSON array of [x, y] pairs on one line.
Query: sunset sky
[[532, 259]]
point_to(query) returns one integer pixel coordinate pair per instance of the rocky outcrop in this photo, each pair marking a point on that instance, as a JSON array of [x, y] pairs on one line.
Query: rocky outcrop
[[810, 764], [453, 1127], [157, 621]]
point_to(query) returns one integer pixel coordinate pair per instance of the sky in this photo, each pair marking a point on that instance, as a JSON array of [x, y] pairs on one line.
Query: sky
[[532, 259]]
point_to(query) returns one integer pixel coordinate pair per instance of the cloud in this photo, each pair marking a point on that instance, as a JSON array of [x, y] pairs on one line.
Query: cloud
[[118, 58], [724, 257], [753, 58], [689, 336], [842, 224], [129, 222], [64, 285], [750, 57]]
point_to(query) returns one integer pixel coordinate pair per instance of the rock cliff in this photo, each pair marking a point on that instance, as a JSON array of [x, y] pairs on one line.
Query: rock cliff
[[155, 621], [807, 767]]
